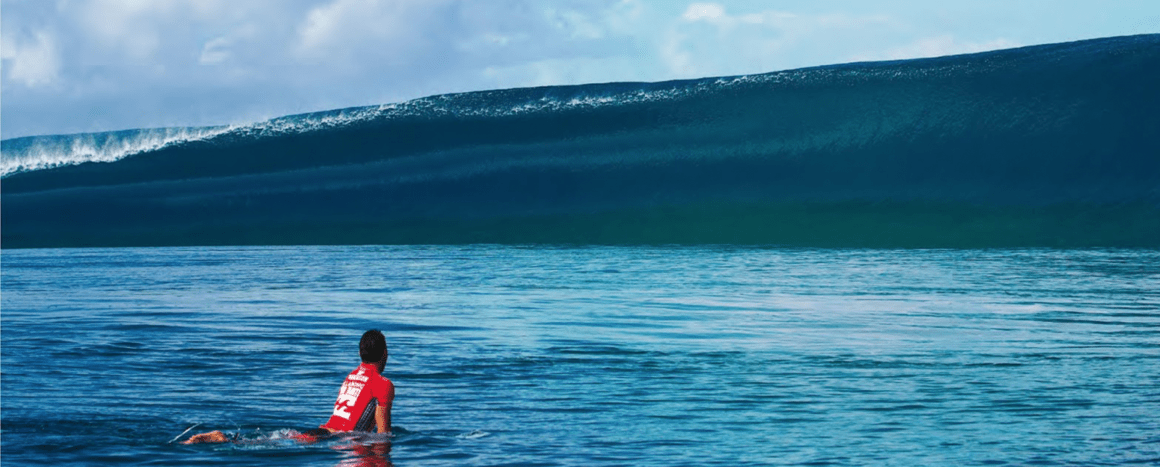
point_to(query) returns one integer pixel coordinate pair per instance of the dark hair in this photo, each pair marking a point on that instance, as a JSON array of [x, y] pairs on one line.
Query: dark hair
[[372, 347]]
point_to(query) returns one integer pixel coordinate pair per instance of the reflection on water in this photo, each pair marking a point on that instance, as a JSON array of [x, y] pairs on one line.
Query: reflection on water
[[376, 454]]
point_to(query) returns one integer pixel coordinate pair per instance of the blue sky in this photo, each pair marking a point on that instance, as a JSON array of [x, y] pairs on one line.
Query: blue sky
[[92, 65]]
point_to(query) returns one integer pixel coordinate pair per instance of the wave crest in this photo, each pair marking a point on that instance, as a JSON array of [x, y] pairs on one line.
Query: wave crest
[[46, 152], [26, 154]]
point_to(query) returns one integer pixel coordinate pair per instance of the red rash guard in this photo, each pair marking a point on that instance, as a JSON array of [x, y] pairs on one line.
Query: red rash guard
[[363, 390]]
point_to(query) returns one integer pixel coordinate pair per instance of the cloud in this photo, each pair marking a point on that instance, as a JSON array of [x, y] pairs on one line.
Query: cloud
[[141, 29], [384, 28], [710, 40], [704, 12], [129, 26], [135, 63], [555, 72], [33, 63], [435, 46], [215, 51], [90, 65], [936, 46], [221, 48]]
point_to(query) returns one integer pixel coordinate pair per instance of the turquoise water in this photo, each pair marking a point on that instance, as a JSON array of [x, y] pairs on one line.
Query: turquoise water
[[587, 356]]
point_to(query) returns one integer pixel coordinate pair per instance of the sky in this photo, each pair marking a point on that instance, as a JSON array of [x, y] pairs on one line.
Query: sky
[[69, 66]]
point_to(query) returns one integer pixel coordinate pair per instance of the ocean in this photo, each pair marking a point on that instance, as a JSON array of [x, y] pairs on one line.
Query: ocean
[[1044, 146], [943, 261], [554, 356]]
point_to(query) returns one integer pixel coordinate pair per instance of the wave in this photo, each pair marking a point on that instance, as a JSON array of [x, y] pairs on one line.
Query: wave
[[1047, 145], [45, 152], [33, 153]]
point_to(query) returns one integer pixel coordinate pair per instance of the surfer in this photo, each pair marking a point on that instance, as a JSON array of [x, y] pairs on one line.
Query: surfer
[[364, 400]]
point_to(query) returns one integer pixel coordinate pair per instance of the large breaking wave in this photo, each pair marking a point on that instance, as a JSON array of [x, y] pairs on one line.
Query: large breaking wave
[[1051, 145]]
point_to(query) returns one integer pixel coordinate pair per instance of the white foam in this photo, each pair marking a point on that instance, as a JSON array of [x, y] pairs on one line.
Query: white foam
[[45, 152]]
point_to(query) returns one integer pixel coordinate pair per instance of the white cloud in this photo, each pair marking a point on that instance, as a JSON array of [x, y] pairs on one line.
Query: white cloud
[[323, 24], [575, 24], [704, 12], [124, 25], [343, 26], [139, 29], [221, 49], [562, 71], [715, 14], [710, 41], [34, 63], [215, 51], [936, 46], [625, 17]]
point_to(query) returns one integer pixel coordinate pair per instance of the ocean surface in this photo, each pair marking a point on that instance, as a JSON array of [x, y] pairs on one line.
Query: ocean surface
[[594, 356], [1043, 146]]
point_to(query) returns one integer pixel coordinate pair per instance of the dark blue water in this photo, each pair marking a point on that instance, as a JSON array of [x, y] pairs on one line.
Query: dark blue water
[[587, 356], [1044, 146]]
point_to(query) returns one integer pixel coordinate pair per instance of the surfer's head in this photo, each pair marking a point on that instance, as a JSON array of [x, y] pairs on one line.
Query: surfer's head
[[373, 348]]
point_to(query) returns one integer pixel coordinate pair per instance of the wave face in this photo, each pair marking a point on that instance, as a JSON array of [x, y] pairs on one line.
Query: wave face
[[1052, 145]]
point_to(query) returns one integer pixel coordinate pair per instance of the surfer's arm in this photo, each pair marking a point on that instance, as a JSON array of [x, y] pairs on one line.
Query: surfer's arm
[[383, 412], [383, 419], [215, 436]]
